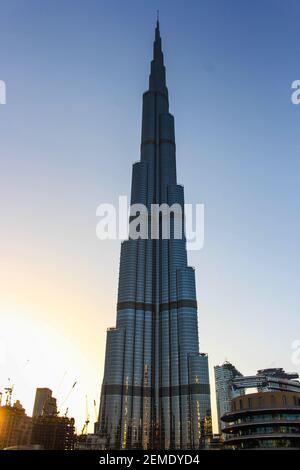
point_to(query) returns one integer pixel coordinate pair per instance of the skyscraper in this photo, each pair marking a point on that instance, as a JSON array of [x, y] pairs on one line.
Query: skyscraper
[[155, 391], [224, 375], [44, 403]]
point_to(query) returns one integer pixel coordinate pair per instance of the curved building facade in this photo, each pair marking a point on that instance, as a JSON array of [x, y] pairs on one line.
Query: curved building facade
[[155, 391], [264, 420]]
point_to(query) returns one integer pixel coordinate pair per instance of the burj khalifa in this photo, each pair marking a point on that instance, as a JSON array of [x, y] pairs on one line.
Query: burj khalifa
[[155, 392]]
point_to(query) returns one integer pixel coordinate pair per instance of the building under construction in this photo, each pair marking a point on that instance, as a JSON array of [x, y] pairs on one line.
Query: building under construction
[[15, 426], [53, 432]]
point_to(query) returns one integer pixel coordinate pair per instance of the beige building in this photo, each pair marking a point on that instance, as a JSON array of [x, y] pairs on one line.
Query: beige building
[[264, 420]]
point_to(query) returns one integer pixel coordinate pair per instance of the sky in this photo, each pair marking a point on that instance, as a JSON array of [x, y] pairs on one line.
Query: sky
[[75, 72]]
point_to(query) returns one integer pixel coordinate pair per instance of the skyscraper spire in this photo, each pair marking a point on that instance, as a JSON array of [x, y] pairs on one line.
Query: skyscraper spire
[[157, 80], [157, 24]]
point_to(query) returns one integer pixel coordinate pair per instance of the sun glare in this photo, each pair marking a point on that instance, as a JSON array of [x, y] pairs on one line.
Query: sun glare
[[33, 354]]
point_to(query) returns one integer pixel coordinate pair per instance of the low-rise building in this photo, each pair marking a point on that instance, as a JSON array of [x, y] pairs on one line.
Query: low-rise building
[[89, 442], [264, 420]]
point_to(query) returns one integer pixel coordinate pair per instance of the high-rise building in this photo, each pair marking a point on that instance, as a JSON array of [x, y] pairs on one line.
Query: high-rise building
[[155, 391], [44, 403], [224, 375]]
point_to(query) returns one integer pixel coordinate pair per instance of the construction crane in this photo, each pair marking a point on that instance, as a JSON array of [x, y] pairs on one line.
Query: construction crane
[[61, 382], [8, 392], [68, 394], [95, 410], [87, 418]]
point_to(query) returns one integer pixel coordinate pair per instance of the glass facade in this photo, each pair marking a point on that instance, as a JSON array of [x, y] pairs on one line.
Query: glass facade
[[224, 375], [155, 391]]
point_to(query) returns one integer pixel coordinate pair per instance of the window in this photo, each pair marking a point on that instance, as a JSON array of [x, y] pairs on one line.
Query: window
[[260, 402], [273, 401], [284, 400]]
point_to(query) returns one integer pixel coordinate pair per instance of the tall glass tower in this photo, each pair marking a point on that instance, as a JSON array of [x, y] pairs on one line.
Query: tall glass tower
[[155, 392]]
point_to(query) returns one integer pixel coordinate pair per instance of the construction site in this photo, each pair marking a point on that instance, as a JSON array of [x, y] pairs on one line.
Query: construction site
[[46, 429]]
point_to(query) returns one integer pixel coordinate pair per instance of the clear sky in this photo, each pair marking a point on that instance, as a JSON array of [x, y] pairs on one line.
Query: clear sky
[[75, 72]]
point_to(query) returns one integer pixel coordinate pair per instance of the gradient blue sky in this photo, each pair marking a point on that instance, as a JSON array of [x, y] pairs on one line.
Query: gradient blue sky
[[70, 131]]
